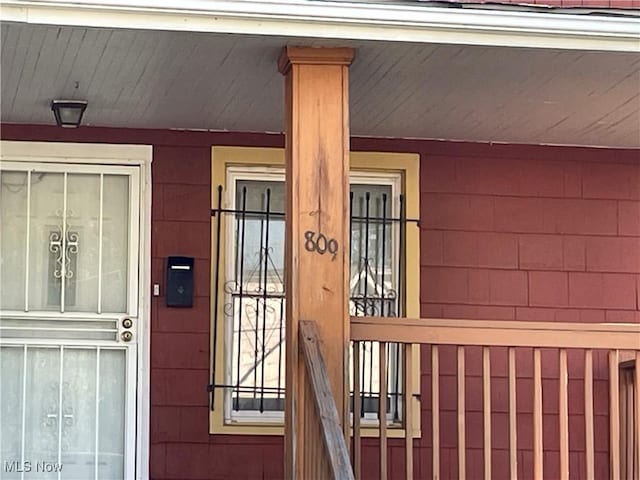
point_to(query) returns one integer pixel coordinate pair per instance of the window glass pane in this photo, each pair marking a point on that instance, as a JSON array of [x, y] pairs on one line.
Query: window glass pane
[[254, 302], [11, 405], [371, 250], [42, 401], [83, 201], [115, 243], [374, 261], [79, 413], [257, 296], [67, 411], [45, 241], [253, 231], [13, 235], [257, 192], [111, 406], [63, 239]]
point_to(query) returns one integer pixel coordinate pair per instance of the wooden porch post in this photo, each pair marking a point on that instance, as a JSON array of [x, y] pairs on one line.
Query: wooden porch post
[[317, 229]]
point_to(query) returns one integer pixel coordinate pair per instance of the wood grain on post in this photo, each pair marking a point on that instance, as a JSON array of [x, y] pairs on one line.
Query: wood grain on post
[[317, 222]]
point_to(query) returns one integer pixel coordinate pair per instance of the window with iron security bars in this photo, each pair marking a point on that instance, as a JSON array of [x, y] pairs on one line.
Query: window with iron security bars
[[249, 294]]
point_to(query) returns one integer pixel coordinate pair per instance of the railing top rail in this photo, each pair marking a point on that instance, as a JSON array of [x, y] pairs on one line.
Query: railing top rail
[[623, 336], [333, 437]]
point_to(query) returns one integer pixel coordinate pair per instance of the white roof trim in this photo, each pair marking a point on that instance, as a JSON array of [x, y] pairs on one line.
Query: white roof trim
[[340, 20]]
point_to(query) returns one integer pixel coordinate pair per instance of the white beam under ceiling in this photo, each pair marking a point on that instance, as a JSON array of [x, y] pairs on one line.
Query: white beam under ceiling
[[342, 20]]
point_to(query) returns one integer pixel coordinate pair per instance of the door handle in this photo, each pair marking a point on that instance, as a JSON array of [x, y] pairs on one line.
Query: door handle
[[125, 326], [65, 417]]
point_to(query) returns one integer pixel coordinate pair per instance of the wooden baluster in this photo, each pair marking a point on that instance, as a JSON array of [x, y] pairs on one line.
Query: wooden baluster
[[357, 443], [310, 453], [614, 415], [630, 423], [636, 425], [563, 409], [513, 417], [622, 409], [462, 449], [486, 408], [382, 410], [435, 410], [408, 409], [537, 416], [588, 415], [626, 417]]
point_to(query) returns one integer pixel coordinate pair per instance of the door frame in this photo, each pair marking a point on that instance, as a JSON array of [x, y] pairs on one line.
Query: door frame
[[114, 154]]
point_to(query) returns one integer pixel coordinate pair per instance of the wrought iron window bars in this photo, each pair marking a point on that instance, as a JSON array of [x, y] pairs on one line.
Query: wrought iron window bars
[[254, 298]]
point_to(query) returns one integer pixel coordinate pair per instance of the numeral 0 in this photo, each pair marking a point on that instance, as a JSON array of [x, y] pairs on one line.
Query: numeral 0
[[321, 244]]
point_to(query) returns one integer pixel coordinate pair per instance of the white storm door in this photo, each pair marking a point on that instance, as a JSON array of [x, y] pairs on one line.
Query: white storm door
[[69, 326]]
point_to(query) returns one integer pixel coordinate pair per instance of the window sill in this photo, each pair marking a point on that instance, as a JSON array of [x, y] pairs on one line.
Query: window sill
[[276, 428]]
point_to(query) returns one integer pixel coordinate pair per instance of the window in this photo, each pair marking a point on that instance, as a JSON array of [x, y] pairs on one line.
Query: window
[[249, 306]]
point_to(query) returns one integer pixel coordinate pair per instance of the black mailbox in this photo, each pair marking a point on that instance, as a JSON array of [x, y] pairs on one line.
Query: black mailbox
[[179, 281]]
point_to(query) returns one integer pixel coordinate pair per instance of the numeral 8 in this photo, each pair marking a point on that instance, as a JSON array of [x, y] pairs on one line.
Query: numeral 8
[[320, 245]]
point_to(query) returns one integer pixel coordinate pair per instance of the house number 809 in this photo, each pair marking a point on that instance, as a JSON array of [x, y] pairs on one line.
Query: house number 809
[[320, 244]]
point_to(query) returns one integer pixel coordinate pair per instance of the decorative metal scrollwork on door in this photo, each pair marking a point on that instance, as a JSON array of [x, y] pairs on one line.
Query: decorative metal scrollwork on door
[[63, 248]]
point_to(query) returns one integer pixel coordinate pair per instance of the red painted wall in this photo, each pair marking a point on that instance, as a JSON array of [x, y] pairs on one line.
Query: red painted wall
[[507, 231], [523, 233]]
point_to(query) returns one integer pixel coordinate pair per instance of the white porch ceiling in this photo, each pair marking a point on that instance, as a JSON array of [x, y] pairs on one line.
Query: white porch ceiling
[[190, 80]]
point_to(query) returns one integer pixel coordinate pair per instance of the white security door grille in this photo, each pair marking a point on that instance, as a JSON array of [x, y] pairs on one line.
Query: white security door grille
[[68, 320]]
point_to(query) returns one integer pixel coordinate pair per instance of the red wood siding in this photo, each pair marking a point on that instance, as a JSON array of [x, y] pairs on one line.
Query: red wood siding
[[564, 3], [524, 233], [507, 232]]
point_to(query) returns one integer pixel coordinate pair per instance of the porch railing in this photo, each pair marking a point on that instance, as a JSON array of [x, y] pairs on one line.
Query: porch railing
[[325, 452], [509, 362]]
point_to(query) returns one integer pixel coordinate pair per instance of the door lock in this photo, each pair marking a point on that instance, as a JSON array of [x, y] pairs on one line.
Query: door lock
[[126, 336], [127, 323]]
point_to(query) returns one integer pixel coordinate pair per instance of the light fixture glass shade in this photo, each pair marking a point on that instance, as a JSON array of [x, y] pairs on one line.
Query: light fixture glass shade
[[68, 113]]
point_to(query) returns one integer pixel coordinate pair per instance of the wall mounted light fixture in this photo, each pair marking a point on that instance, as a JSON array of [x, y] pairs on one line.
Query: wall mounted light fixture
[[68, 113]]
